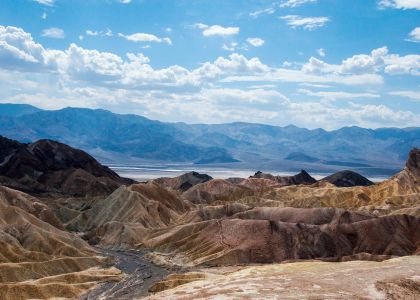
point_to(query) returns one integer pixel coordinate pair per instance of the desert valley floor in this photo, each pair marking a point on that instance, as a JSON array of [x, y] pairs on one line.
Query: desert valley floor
[[72, 228]]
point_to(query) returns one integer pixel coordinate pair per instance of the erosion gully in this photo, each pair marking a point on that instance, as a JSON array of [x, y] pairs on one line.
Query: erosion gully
[[140, 275]]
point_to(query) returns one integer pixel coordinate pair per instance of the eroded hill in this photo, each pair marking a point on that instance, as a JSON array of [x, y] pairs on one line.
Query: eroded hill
[[193, 222]]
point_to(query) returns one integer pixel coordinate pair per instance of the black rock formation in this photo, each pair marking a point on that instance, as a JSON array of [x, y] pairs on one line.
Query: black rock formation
[[347, 179], [47, 166], [301, 178]]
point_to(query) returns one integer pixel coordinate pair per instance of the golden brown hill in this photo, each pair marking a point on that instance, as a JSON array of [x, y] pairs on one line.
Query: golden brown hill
[[124, 216], [207, 212], [37, 259], [235, 241], [29, 204], [214, 190], [142, 213], [402, 190]]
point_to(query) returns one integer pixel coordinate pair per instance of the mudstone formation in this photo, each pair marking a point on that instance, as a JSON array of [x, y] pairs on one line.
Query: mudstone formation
[[71, 227]]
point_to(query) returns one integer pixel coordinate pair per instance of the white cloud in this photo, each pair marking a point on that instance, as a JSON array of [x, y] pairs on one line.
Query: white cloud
[[230, 47], [317, 66], [200, 26], [415, 35], [19, 51], [321, 52], [307, 23], [295, 3], [262, 12], [92, 33], [315, 85], [413, 95], [378, 60], [44, 16], [53, 32], [45, 2], [363, 63], [217, 30], [91, 78], [337, 95], [400, 4], [145, 37], [299, 76], [125, 1], [256, 42], [398, 65], [107, 32], [91, 65]]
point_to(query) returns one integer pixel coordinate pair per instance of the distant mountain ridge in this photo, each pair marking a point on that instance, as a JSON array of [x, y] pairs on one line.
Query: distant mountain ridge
[[15, 110], [126, 134], [112, 137]]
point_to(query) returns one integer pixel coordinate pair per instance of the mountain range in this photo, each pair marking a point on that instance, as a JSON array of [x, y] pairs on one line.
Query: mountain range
[[116, 138]]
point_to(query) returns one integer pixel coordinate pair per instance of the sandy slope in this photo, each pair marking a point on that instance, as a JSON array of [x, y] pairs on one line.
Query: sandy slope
[[39, 260]]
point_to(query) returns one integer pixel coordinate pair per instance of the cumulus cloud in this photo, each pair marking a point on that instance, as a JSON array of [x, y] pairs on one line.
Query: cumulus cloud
[[125, 1], [90, 78], [414, 35], [19, 51], [400, 65], [295, 3], [145, 37], [307, 23], [256, 42], [53, 32], [217, 30], [399, 4], [378, 60]]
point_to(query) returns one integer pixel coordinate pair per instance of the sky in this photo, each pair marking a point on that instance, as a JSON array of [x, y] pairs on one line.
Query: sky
[[310, 63]]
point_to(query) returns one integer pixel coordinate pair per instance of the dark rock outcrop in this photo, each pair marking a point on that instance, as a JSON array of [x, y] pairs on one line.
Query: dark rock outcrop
[[413, 162], [183, 182], [347, 179], [301, 178], [47, 166]]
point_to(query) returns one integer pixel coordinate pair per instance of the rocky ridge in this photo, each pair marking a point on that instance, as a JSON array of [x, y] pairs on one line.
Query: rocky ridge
[[51, 167]]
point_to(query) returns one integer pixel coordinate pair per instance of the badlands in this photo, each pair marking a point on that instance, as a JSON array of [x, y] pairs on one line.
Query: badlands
[[72, 228]]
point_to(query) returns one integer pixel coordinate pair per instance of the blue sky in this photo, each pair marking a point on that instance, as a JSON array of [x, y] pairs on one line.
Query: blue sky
[[312, 63]]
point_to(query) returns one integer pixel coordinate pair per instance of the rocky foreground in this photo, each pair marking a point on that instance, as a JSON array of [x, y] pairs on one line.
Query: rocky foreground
[[82, 231], [396, 278]]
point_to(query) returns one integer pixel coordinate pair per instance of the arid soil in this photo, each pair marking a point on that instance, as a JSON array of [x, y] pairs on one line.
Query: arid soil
[[397, 278], [194, 237]]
